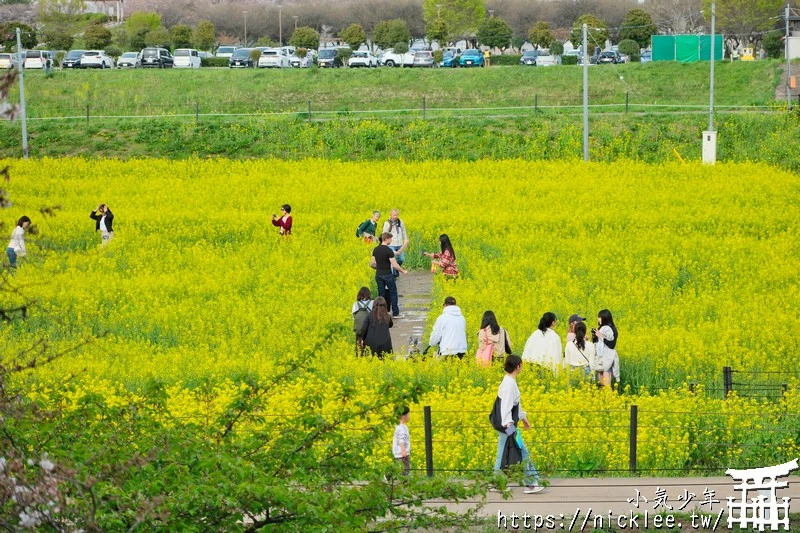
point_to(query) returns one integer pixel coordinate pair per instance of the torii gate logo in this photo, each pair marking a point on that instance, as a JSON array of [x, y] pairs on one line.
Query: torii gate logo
[[763, 510]]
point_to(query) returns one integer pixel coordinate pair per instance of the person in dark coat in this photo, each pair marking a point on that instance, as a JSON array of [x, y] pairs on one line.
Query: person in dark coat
[[375, 330]]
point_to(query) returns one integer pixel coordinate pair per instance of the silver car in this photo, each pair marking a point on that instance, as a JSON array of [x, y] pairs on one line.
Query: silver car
[[423, 58], [130, 60]]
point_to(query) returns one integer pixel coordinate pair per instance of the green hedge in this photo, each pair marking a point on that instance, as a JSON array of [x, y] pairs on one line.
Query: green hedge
[[569, 60], [505, 60], [214, 62]]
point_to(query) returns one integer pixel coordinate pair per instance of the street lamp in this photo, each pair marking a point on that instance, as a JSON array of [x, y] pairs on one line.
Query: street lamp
[[295, 17], [491, 13], [245, 27], [438, 11], [280, 25]]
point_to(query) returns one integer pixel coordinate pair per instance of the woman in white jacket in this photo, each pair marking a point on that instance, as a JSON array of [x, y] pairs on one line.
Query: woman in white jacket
[[544, 346], [16, 248], [605, 339], [578, 353]]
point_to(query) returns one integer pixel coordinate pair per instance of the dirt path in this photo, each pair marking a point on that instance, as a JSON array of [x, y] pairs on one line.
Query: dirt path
[[414, 291], [780, 90]]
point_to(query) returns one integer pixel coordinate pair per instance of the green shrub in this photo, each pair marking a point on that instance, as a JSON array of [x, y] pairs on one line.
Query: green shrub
[[569, 60], [438, 55], [214, 62], [113, 50], [344, 54], [60, 57], [506, 60], [556, 48], [630, 48]]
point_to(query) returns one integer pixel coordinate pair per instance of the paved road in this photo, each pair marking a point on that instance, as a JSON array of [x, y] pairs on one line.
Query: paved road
[[594, 498]]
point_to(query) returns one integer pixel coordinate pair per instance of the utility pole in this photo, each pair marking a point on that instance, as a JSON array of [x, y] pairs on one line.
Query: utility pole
[[711, 92], [585, 93], [245, 27], [23, 115], [788, 63], [295, 22], [280, 25]]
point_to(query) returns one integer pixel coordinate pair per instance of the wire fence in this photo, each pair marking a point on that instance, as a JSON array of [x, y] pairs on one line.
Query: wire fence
[[393, 108]]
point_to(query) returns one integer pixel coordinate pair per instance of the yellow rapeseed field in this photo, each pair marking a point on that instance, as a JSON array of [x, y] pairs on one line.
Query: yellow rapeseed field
[[698, 265]]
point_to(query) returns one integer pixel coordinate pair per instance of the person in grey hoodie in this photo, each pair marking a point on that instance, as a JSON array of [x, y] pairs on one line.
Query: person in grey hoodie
[[450, 330]]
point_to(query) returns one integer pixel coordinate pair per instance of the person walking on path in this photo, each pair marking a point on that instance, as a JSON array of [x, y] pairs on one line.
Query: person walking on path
[[397, 229], [368, 229], [401, 443], [445, 259], [384, 261], [16, 247], [375, 330], [544, 346], [103, 220], [450, 331], [511, 413], [492, 333], [284, 222], [361, 309], [605, 340]]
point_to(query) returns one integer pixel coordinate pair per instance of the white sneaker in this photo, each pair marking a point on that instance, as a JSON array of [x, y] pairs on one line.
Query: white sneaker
[[398, 316], [533, 489], [494, 489]]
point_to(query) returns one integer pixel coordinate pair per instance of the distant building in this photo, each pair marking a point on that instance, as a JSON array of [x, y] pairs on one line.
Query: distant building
[[112, 8], [794, 36]]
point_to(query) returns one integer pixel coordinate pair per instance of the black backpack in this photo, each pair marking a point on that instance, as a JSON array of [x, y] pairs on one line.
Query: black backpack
[[360, 316]]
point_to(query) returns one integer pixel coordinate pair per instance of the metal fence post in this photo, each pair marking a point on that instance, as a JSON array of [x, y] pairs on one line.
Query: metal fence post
[[196, 113], [309, 109], [535, 104], [727, 380], [633, 431], [428, 441], [626, 101], [87, 113], [424, 109]]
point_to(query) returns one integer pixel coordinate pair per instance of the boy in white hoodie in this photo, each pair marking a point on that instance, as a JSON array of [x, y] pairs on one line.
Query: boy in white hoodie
[[450, 330]]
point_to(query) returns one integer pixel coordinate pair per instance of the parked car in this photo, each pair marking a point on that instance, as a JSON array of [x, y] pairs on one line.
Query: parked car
[[362, 59], [529, 58], [225, 51], [274, 58], [157, 58], [423, 58], [576, 53], [545, 58], [72, 59], [471, 58], [609, 57], [186, 58], [646, 56], [96, 59], [38, 59], [328, 57], [305, 62], [8, 60], [241, 58], [130, 60], [448, 59], [392, 59], [452, 49]]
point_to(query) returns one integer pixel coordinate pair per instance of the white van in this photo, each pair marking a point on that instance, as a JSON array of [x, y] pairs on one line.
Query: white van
[[186, 58], [38, 59]]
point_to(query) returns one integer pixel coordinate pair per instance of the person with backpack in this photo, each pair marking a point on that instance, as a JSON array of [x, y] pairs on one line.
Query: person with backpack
[[369, 227], [361, 309], [505, 417], [493, 341], [579, 354]]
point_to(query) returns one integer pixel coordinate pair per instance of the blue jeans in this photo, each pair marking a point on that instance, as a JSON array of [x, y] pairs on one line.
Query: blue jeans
[[387, 289], [400, 258], [531, 475], [12, 257]]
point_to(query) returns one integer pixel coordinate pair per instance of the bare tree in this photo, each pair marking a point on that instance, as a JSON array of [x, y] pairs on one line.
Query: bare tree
[[677, 16]]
